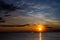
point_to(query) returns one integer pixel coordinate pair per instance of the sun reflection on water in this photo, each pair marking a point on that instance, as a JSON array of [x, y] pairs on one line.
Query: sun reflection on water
[[40, 36]]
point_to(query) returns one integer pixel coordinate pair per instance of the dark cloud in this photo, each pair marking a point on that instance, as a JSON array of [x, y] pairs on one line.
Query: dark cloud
[[1, 20], [7, 8]]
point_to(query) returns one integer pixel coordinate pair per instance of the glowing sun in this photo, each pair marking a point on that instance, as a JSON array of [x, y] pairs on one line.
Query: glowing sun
[[41, 28]]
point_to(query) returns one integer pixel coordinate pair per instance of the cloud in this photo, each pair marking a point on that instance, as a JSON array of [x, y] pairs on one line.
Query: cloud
[[7, 8], [40, 6], [46, 18], [37, 11]]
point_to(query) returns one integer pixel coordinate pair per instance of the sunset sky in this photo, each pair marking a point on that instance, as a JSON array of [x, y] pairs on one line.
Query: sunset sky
[[35, 12]]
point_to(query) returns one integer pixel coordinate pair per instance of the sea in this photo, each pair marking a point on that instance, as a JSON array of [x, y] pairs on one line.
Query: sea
[[30, 36]]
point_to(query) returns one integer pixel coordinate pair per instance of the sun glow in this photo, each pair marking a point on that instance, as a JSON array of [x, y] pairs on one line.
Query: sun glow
[[41, 28]]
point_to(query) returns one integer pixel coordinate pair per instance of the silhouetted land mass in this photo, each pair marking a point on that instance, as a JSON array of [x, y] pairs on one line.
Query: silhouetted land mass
[[14, 25], [49, 29], [29, 31], [54, 30]]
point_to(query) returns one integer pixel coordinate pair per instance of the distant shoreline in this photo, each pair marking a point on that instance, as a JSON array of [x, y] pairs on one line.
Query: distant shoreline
[[25, 31]]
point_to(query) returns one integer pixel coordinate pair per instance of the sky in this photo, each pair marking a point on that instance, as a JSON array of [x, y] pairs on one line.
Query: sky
[[35, 12]]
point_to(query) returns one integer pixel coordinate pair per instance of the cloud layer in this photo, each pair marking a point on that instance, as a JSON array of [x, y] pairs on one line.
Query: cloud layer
[[36, 11]]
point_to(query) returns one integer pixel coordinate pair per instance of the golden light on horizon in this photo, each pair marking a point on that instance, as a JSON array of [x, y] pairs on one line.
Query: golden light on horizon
[[41, 28]]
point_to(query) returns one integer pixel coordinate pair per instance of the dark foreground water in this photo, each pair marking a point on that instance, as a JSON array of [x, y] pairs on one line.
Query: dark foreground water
[[30, 36]]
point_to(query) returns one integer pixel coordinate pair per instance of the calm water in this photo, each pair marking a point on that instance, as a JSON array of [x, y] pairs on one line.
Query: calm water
[[30, 36]]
